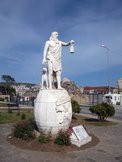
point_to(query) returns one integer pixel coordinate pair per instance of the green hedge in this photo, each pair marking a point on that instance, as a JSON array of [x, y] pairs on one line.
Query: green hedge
[[103, 111]]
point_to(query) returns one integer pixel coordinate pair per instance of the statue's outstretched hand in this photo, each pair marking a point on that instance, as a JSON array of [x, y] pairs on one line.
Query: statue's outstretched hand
[[72, 42]]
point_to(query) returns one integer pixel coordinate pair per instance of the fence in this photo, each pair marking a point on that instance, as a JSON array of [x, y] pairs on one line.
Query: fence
[[95, 98]]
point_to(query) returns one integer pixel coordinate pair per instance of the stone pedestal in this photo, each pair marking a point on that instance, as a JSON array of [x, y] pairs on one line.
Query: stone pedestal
[[53, 110]]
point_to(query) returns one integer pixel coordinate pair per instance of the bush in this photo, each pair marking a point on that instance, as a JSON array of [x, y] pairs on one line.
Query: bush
[[18, 113], [2, 99], [103, 111], [24, 130], [63, 137], [23, 116], [9, 110], [75, 106], [43, 138]]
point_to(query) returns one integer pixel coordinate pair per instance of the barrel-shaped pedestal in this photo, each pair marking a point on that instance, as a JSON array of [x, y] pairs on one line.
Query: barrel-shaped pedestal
[[53, 111]]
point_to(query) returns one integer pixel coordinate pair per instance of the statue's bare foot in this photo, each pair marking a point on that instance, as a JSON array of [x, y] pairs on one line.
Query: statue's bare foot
[[50, 88], [41, 88], [60, 87]]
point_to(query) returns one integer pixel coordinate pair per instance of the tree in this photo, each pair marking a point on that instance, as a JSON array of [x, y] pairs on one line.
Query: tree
[[8, 79], [7, 90], [103, 111]]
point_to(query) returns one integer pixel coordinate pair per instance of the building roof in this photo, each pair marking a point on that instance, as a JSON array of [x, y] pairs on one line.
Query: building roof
[[97, 88]]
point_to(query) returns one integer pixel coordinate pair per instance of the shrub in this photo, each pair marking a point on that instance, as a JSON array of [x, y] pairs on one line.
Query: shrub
[[24, 130], [23, 116], [9, 110], [18, 113], [63, 137], [103, 111], [75, 106], [43, 138], [2, 99]]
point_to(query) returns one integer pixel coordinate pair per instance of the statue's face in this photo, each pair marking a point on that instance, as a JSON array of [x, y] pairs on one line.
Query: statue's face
[[55, 34]]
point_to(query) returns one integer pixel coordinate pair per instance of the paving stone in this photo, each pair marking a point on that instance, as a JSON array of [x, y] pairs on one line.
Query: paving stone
[[109, 149]]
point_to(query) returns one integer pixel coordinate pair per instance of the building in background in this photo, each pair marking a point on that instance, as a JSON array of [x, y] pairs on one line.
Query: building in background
[[99, 89], [119, 83]]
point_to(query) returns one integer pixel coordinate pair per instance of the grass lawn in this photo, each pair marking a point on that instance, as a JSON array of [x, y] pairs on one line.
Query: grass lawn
[[15, 115], [82, 119], [18, 115]]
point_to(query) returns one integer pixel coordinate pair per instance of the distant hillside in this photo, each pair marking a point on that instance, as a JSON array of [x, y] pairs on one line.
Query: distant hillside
[[74, 91], [19, 83], [27, 84]]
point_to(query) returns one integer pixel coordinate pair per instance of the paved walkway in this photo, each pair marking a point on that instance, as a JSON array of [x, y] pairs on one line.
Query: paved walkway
[[109, 149]]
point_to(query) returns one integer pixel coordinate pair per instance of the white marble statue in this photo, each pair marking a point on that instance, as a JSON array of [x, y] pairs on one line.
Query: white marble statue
[[52, 56], [53, 109]]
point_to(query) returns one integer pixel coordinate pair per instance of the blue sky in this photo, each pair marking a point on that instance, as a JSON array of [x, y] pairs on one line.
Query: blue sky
[[25, 25]]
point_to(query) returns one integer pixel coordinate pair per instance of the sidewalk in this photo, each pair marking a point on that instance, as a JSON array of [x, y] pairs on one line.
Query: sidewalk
[[20, 107], [95, 117], [109, 149]]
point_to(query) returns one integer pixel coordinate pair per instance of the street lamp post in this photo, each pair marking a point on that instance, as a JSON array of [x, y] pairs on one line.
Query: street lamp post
[[108, 65]]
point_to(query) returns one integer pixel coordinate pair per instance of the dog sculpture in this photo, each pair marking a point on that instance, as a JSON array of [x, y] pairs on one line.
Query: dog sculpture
[[44, 79]]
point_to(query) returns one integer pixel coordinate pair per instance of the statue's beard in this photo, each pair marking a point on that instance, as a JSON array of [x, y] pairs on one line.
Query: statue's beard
[[54, 39]]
